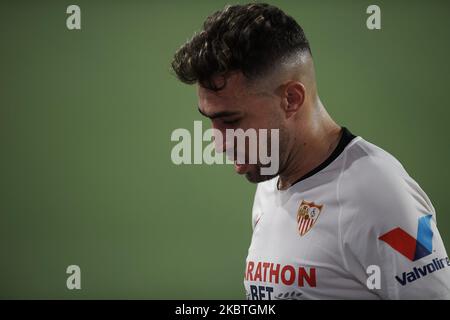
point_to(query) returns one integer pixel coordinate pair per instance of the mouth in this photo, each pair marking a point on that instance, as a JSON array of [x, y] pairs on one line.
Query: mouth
[[241, 168]]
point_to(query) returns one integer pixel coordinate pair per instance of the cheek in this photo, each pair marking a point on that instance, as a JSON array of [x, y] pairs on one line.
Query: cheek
[[269, 118]]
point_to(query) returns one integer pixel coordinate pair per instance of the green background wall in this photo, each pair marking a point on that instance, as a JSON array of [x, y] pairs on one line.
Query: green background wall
[[85, 123]]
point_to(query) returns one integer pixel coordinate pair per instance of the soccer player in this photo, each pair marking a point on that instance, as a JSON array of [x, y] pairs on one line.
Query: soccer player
[[341, 219]]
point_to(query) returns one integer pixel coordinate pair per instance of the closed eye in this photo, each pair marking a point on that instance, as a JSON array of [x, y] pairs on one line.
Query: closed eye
[[234, 121]]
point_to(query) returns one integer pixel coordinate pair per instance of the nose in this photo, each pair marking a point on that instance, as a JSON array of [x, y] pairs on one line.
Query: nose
[[222, 145], [219, 139]]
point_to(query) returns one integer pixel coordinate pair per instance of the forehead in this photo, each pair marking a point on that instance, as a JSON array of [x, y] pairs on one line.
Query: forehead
[[236, 90]]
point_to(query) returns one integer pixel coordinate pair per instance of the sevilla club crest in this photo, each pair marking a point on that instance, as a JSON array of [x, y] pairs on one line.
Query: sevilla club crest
[[307, 215]]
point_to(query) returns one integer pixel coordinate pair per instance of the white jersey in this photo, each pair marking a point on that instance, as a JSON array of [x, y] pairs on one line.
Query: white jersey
[[356, 227]]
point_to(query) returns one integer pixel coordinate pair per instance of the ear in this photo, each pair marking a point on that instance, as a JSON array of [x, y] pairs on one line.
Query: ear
[[294, 96]]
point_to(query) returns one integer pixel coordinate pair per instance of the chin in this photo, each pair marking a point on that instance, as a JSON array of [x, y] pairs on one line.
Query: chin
[[254, 175]]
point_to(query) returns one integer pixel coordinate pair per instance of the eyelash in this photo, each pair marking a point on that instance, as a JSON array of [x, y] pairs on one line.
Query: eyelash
[[231, 122]]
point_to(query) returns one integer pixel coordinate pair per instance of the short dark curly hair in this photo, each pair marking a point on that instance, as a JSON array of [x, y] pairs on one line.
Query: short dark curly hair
[[249, 38]]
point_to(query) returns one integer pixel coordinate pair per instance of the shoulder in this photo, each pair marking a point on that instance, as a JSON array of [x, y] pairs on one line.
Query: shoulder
[[374, 187], [365, 162]]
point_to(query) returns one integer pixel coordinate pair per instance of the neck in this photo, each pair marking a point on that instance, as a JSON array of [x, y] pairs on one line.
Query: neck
[[319, 137]]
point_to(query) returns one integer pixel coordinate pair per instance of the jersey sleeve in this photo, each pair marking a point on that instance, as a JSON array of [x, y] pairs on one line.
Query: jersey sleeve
[[389, 236]]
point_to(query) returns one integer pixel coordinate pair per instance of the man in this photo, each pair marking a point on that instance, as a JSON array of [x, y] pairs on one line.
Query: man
[[341, 219]]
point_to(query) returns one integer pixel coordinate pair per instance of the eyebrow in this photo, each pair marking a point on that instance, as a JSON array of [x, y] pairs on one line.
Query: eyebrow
[[220, 114]]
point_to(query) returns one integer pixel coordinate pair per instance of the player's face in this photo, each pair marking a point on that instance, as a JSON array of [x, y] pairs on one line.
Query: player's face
[[238, 107]]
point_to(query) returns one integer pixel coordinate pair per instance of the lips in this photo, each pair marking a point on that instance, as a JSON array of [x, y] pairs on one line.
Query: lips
[[241, 168], [234, 155]]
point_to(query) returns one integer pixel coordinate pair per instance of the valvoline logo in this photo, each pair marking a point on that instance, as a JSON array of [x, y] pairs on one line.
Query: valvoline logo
[[412, 248]]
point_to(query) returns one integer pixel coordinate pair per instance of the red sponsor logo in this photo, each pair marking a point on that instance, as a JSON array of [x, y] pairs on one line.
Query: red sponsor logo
[[276, 273]]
